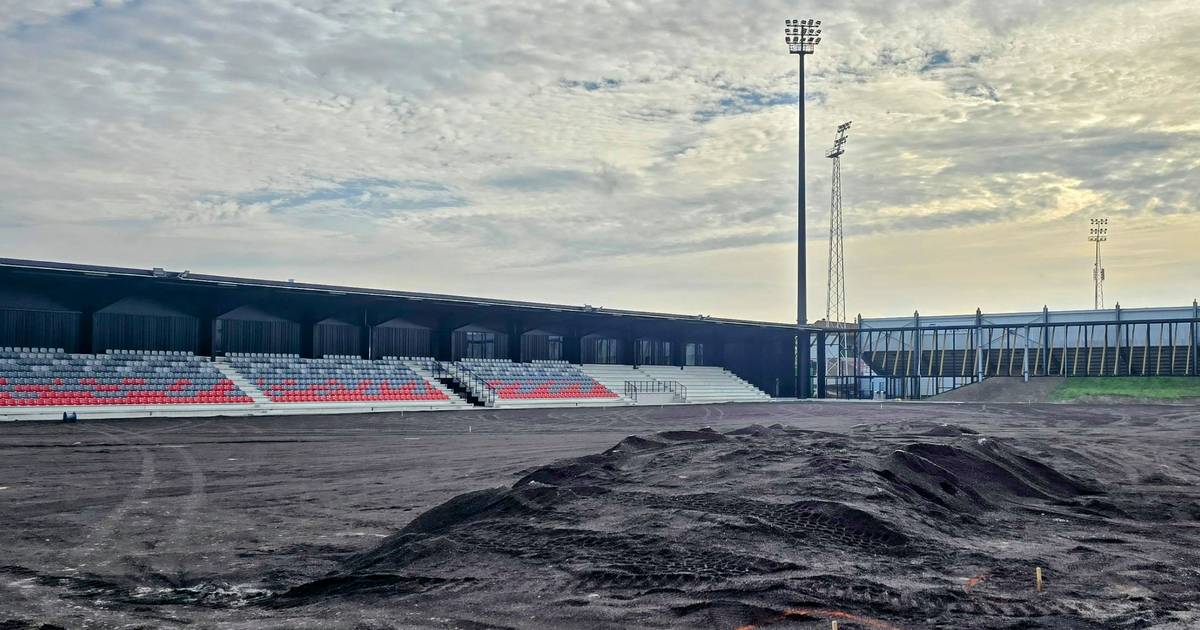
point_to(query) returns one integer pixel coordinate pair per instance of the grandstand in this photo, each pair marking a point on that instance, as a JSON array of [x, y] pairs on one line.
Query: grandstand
[[54, 382], [134, 342]]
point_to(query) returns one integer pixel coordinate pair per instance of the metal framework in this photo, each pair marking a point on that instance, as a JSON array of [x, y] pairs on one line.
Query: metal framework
[[835, 296], [802, 37], [1097, 234], [918, 357]]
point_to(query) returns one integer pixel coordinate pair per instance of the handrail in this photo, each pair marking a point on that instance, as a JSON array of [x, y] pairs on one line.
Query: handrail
[[633, 388], [477, 385]]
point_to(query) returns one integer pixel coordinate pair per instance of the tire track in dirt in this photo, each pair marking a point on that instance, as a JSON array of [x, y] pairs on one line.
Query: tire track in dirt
[[99, 538], [192, 502]]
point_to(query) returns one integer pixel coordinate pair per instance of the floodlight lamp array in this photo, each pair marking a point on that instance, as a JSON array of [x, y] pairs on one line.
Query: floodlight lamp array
[[802, 36]]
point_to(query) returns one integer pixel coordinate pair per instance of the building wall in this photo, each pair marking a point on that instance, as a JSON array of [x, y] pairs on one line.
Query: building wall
[[39, 329]]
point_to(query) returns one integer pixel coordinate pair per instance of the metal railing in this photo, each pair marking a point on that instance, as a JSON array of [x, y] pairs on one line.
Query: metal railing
[[633, 388], [477, 386]]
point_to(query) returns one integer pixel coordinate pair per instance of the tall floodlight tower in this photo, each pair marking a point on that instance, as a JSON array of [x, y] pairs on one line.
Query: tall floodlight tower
[[1098, 234], [802, 37], [835, 296]]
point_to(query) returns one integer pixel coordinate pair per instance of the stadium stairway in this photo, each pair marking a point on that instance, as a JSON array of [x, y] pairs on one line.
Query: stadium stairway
[[242, 382], [707, 384], [427, 368]]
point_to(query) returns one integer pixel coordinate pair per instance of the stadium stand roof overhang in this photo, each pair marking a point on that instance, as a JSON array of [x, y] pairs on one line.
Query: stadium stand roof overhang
[[198, 279]]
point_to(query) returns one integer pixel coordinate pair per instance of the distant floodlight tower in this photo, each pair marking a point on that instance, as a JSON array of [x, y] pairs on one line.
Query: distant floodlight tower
[[802, 37], [835, 296], [1098, 234]]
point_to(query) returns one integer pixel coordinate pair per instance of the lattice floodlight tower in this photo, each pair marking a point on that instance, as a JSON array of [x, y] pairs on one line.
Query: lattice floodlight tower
[[802, 37], [835, 297], [1098, 234]]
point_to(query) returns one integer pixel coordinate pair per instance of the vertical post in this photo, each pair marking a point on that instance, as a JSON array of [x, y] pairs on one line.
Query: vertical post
[[804, 369], [858, 350], [205, 334], [802, 230], [918, 337], [1047, 351], [365, 337], [1195, 342], [822, 338], [1025, 360], [1117, 341], [978, 343], [804, 387]]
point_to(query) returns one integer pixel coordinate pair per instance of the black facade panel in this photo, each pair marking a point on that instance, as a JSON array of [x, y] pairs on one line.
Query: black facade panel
[[241, 335], [343, 339], [543, 347], [473, 344], [653, 352], [39, 329], [125, 331], [389, 341], [597, 349]]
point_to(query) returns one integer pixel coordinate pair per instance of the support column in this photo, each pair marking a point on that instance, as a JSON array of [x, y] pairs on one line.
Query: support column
[[1195, 342], [204, 343], [515, 330], [804, 384], [573, 345], [1047, 351], [821, 369], [858, 351], [443, 338], [365, 338], [978, 344], [1117, 342], [917, 339], [308, 330], [1025, 360]]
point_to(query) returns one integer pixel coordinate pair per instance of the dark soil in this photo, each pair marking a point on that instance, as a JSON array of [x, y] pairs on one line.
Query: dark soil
[[777, 516], [1012, 389]]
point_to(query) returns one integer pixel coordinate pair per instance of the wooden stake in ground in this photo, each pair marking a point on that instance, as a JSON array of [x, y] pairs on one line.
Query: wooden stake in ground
[[1038, 575]]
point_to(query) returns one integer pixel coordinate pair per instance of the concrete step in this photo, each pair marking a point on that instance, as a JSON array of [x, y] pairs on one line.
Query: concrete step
[[455, 398], [242, 382]]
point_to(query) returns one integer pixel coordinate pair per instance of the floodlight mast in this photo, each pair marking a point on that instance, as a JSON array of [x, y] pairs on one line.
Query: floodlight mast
[[835, 296], [1097, 234], [802, 37]]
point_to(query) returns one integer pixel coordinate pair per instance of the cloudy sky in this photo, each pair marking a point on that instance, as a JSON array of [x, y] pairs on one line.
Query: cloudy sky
[[615, 153]]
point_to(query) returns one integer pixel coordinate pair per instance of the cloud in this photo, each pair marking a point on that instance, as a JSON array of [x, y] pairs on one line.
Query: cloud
[[510, 148]]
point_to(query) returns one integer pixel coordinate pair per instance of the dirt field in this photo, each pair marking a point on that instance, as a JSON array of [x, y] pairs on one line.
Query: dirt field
[[874, 515]]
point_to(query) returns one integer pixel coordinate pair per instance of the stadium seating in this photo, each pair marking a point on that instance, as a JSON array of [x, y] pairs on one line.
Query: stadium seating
[[539, 380], [614, 376], [49, 377], [287, 378], [706, 384]]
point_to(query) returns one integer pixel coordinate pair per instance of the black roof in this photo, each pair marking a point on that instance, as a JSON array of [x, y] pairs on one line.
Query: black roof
[[232, 281]]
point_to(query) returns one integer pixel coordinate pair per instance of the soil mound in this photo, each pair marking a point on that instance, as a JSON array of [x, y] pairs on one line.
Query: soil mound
[[916, 527], [969, 475]]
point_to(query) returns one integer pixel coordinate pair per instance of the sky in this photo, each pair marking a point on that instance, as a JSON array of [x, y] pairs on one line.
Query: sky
[[610, 152]]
